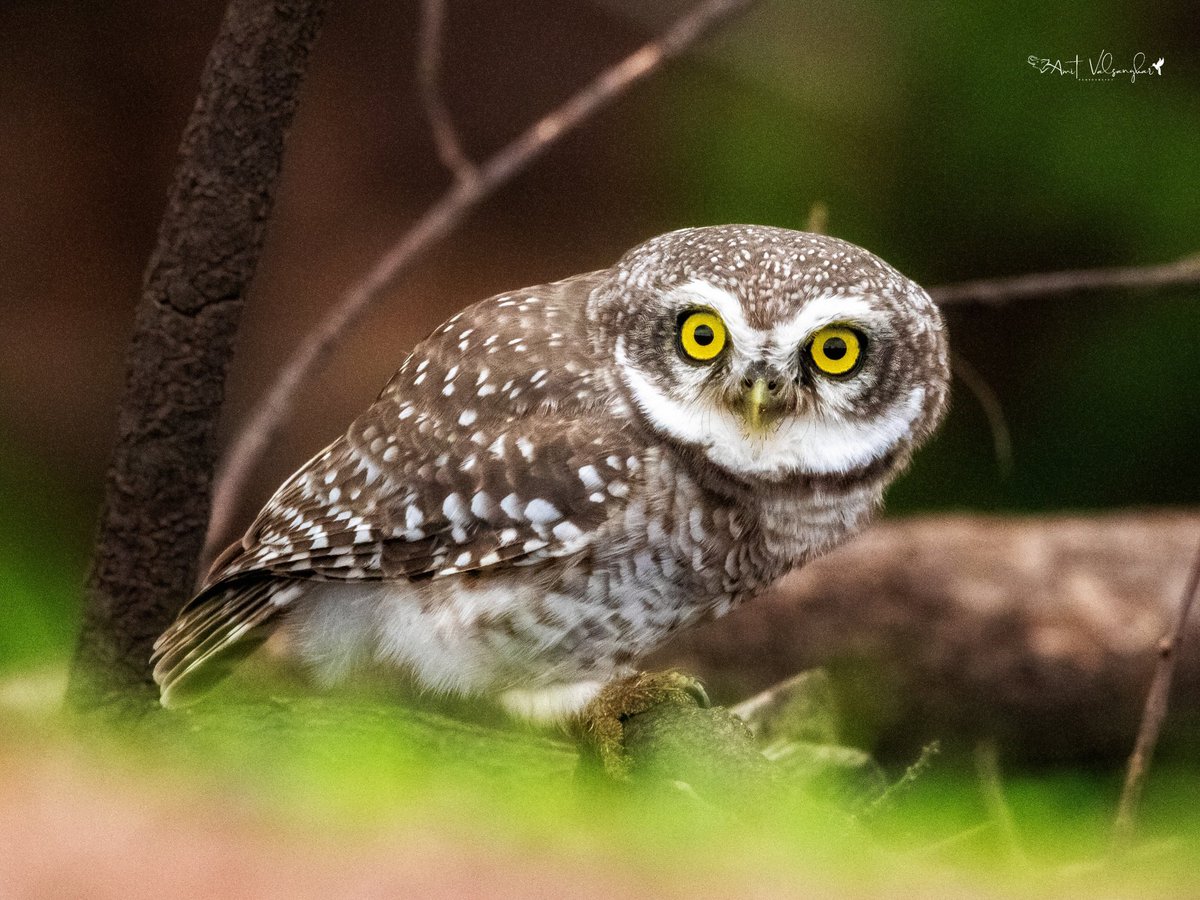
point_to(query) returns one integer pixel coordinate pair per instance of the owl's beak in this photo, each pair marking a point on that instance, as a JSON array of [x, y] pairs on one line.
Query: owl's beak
[[760, 403]]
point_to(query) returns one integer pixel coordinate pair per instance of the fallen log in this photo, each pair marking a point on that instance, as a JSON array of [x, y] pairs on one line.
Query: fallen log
[[1038, 632]]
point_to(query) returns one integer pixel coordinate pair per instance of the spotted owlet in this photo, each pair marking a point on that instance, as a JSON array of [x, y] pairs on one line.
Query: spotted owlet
[[559, 478]]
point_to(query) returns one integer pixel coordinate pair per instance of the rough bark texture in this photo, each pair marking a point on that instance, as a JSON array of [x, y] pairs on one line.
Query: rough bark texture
[[1038, 631], [157, 494]]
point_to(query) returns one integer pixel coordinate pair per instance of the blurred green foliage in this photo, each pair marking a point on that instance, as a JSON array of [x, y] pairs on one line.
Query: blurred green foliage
[[346, 771], [43, 551]]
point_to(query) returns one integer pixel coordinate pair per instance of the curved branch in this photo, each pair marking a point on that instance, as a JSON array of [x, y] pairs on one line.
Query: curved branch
[[989, 402], [272, 410], [429, 65]]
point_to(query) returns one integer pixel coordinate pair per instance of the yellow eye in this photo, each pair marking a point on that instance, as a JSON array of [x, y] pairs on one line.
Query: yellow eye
[[701, 335], [835, 349]]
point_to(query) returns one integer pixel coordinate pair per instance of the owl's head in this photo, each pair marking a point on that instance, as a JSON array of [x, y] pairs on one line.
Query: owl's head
[[774, 353]]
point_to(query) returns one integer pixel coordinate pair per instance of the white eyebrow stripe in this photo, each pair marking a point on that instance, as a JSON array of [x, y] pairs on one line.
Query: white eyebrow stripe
[[747, 340], [822, 310]]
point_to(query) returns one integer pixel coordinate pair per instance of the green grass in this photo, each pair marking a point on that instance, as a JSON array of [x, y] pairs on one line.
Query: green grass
[[352, 768]]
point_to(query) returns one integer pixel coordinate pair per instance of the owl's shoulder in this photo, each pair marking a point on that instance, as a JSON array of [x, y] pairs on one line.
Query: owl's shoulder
[[510, 353]]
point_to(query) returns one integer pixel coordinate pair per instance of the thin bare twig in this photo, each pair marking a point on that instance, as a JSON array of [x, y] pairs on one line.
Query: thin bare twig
[[272, 410], [997, 291], [990, 403], [903, 784], [818, 218], [429, 69], [1153, 715], [987, 765]]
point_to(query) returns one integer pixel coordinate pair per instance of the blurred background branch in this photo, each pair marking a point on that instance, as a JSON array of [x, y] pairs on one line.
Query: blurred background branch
[[990, 404], [992, 291], [271, 412], [429, 65]]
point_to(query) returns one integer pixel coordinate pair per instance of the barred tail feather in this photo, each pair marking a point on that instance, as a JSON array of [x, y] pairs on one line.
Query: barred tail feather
[[215, 630]]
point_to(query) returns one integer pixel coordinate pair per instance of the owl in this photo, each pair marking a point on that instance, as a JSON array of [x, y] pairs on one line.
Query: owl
[[560, 478]]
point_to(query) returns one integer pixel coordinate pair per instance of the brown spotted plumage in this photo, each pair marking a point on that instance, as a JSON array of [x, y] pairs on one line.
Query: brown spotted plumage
[[549, 486]]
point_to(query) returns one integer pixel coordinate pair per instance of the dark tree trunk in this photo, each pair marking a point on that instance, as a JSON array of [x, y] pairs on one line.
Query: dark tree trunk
[[156, 501]]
